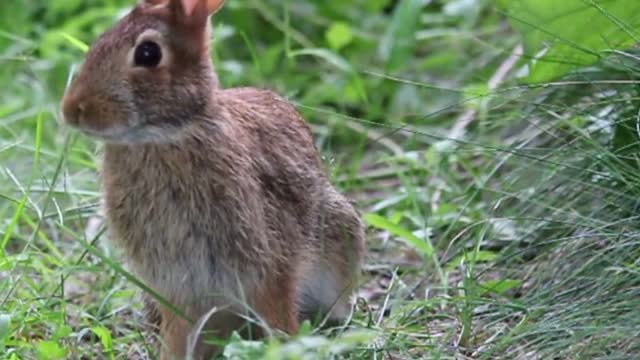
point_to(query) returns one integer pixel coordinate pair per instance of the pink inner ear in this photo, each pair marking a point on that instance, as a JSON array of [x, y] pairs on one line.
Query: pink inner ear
[[214, 5], [188, 6]]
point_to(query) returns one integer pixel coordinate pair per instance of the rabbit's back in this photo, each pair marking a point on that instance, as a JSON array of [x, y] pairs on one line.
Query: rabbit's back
[[326, 225]]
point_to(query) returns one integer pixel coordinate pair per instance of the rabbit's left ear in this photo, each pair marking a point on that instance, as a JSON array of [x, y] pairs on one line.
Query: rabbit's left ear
[[214, 5], [154, 2], [196, 7]]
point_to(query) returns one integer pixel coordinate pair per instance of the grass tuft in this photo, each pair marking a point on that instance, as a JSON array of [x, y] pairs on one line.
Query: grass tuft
[[492, 148]]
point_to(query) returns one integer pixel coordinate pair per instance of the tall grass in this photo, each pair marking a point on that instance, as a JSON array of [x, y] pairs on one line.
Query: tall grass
[[503, 214]]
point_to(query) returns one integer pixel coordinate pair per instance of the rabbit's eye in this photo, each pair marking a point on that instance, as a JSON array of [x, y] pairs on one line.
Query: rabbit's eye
[[147, 54]]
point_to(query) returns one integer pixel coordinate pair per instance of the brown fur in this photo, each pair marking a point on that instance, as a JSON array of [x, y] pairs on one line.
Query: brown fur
[[218, 197]]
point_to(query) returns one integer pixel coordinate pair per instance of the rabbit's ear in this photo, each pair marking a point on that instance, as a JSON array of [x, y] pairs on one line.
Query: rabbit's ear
[[199, 8], [214, 5], [153, 2]]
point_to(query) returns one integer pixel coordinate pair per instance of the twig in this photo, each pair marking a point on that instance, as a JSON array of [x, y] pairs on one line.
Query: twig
[[458, 129], [376, 136]]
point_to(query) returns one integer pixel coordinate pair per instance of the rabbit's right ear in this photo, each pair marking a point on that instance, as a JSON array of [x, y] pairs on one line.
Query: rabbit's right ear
[[209, 7], [189, 6], [154, 2]]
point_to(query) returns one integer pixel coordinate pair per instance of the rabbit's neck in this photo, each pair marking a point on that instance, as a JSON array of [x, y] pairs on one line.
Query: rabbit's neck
[[161, 161], [202, 155]]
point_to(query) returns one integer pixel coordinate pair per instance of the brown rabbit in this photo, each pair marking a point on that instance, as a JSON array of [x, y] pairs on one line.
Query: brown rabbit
[[218, 197]]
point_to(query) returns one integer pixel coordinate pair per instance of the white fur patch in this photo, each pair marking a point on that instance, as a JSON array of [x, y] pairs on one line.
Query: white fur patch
[[323, 293]]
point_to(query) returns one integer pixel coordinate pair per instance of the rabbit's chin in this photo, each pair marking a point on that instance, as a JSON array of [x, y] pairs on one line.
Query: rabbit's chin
[[139, 134]]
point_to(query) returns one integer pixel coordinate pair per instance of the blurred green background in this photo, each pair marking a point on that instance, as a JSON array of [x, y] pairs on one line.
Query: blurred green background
[[490, 145]]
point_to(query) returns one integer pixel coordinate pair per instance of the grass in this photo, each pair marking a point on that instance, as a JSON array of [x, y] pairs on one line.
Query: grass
[[503, 214]]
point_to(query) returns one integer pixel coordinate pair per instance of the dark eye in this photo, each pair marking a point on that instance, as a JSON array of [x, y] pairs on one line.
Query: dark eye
[[148, 54]]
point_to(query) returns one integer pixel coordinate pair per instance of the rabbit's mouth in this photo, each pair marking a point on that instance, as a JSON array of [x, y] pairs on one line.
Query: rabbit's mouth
[[107, 135], [127, 131], [117, 134], [137, 134]]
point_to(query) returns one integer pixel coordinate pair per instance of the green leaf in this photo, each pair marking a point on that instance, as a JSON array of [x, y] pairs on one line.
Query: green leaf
[[76, 42], [477, 257], [339, 35], [105, 338], [499, 286], [328, 56], [62, 332], [475, 95], [5, 325], [50, 350], [398, 43], [563, 36], [5, 329], [382, 223]]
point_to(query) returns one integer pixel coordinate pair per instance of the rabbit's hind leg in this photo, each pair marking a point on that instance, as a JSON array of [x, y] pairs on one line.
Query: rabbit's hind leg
[[173, 332], [275, 303]]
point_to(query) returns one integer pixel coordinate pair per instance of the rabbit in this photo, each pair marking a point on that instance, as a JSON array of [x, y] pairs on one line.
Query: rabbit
[[217, 197]]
